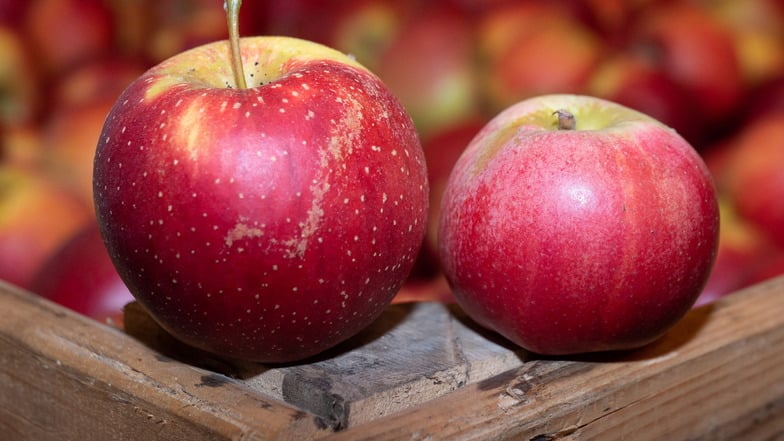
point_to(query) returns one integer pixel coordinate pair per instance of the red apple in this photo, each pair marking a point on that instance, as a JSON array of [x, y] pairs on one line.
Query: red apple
[[365, 28], [96, 80], [528, 49], [441, 153], [755, 176], [36, 218], [696, 51], [266, 223], [81, 277], [757, 31], [430, 68], [21, 146], [630, 81], [743, 252], [64, 33], [19, 89], [578, 238], [69, 138]]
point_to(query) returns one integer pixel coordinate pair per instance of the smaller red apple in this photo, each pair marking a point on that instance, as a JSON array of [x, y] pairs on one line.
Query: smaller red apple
[[573, 224]]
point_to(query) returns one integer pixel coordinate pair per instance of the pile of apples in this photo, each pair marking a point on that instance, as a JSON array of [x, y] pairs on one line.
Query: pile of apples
[[713, 70]]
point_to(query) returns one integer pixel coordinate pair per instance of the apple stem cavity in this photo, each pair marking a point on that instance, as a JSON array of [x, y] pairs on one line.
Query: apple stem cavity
[[566, 120], [232, 17]]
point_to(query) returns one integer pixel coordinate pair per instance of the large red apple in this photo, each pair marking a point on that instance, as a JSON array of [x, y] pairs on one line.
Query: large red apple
[[266, 223], [577, 239]]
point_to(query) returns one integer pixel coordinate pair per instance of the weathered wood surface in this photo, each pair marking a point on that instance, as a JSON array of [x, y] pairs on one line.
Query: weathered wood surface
[[719, 374], [411, 354], [65, 377]]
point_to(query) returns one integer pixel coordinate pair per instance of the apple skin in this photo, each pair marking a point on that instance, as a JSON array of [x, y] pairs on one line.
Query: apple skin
[[269, 223], [572, 241]]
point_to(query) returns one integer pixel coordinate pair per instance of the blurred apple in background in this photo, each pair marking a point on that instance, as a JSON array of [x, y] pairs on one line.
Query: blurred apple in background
[[528, 49], [627, 79], [70, 137], [764, 99], [12, 12], [441, 153], [757, 31], [96, 80], [755, 175], [80, 276], [19, 88], [365, 28], [697, 52], [36, 217], [64, 33], [21, 146], [430, 68], [743, 254]]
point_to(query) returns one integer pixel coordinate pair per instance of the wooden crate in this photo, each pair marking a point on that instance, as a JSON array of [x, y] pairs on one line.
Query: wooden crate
[[422, 372]]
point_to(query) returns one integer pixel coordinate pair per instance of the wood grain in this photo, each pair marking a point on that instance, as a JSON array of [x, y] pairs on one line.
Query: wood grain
[[413, 353], [718, 375], [66, 377]]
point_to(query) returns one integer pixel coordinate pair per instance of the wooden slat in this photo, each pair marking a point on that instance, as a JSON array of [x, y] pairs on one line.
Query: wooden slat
[[413, 353], [65, 377], [719, 374]]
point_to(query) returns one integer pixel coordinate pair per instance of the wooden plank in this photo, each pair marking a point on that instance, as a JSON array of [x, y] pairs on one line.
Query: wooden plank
[[719, 374], [413, 353], [66, 377]]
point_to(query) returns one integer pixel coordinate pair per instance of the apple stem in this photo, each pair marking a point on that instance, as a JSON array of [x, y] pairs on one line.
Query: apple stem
[[232, 17], [566, 119]]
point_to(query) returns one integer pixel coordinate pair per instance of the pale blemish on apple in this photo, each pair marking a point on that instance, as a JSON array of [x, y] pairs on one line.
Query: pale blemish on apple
[[242, 231]]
